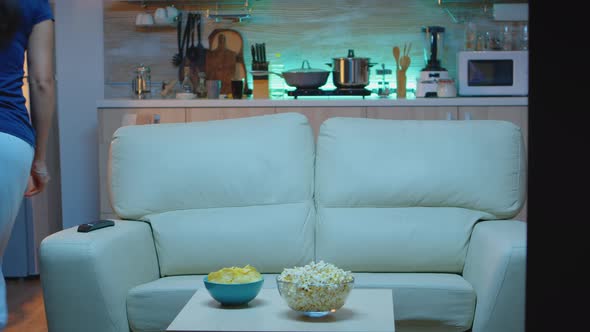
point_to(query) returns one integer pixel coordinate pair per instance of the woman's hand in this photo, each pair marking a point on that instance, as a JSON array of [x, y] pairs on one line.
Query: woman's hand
[[39, 176]]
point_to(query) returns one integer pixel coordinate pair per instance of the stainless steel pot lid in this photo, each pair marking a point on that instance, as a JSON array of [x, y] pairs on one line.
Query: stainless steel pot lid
[[306, 70], [351, 57]]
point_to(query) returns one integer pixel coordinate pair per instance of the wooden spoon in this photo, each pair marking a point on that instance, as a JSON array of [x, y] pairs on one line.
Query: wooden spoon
[[396, 53], [405, 62]]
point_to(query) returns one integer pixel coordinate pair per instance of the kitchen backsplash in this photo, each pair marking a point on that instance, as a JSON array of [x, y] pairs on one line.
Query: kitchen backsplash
[[312, 30]]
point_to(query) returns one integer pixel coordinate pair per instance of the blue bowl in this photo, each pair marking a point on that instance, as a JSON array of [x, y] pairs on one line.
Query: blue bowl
[[233, 294]]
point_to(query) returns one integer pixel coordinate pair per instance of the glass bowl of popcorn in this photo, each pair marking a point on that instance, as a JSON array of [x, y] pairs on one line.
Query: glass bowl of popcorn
[[316, 289]]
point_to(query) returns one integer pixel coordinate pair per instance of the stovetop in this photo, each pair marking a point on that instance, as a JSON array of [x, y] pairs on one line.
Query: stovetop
[[336, 92]]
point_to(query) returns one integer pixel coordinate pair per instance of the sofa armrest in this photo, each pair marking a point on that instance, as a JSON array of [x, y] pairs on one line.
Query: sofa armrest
[[496, 268], [86, 276]]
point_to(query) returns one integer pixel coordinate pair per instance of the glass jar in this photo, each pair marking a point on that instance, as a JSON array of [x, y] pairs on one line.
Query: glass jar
[[507, 39], [470, 36], [142, 80], [446, 88]]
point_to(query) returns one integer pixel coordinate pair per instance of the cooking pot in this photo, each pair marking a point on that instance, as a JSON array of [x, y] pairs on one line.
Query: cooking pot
[[305, 78], [350, 72]]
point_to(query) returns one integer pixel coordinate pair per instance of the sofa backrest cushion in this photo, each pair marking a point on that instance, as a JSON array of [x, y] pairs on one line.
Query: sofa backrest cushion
[[268, 237], [478, 165], [371, 174], [220, 193], [261, 160]]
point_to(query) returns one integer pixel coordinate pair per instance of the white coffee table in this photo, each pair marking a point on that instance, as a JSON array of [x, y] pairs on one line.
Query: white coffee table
[[369, 310]]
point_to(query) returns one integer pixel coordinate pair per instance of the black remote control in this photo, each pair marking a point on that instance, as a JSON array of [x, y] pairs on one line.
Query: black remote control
[[91, 226]]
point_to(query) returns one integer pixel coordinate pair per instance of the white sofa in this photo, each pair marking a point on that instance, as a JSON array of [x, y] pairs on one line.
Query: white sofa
[[421, 207]]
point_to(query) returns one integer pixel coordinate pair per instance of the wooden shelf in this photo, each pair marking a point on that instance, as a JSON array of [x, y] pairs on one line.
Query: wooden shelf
[[220, 10], [155, 27]]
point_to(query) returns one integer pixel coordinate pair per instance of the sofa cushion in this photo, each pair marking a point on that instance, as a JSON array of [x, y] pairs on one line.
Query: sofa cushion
[[259, 160], [422, 301], [426, 301], [476, 165], [420, 239], [267, 237], [152, 306]]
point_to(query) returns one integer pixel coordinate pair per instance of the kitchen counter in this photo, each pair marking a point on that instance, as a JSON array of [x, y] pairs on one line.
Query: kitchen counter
[[324, 101]]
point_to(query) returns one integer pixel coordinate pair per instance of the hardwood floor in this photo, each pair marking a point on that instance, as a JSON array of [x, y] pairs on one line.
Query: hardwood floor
[[26, 311]]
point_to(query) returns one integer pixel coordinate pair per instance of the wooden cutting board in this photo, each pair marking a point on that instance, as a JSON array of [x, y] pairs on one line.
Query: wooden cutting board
[[233, 42], [221, 63]]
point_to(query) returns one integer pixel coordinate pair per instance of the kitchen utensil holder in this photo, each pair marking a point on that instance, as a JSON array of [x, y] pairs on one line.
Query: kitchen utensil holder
[[401, 83]]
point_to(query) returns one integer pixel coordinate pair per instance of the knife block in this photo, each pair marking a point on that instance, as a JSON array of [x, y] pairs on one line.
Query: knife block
[[261, 90], [261, 83]]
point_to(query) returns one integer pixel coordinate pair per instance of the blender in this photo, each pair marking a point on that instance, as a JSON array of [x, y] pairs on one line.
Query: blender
[[427, 83]]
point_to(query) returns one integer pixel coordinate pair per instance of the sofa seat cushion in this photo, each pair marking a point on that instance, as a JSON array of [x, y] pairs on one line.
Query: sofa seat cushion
[[153, 306], [426, 301], [422, 301]]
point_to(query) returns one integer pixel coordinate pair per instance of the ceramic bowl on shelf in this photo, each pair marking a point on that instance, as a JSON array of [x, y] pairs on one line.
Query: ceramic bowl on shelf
[[314, 300], [144, 19], [233, 294]]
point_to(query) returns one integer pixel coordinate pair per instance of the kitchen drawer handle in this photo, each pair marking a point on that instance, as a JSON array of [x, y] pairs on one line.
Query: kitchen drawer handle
[[467, 115]]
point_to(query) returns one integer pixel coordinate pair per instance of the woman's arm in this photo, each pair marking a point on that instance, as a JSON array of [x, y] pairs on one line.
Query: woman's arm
[[41, 62]]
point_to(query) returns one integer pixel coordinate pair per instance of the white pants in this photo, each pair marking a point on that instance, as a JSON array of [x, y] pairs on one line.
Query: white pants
[[16, 157]]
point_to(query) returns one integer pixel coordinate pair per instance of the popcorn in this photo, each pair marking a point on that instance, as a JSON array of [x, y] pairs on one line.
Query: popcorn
[[316, 287]]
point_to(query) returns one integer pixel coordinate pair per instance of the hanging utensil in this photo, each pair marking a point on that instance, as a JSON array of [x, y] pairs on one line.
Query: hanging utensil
[[183, 50], [177, 58], [191, 52], [201, 52]]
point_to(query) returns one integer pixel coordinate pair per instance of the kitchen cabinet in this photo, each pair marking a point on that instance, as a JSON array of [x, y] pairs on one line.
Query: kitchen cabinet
[[208, 114], [413, 113], [515, 114], [110, 119], [317, 115]]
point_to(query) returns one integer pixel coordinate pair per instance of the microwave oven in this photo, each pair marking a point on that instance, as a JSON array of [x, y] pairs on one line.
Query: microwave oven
[[493, 73]]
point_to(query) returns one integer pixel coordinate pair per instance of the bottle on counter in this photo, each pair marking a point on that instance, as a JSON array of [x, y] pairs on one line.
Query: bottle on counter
[[276, 83], [201, 89], [507, 39], [187, 85]]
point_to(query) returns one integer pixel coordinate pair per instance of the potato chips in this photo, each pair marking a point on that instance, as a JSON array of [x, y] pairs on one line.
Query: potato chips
[[235, 275]]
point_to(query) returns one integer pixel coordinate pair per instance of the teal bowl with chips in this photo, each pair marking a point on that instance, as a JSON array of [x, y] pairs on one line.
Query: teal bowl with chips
[[233, 294]]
